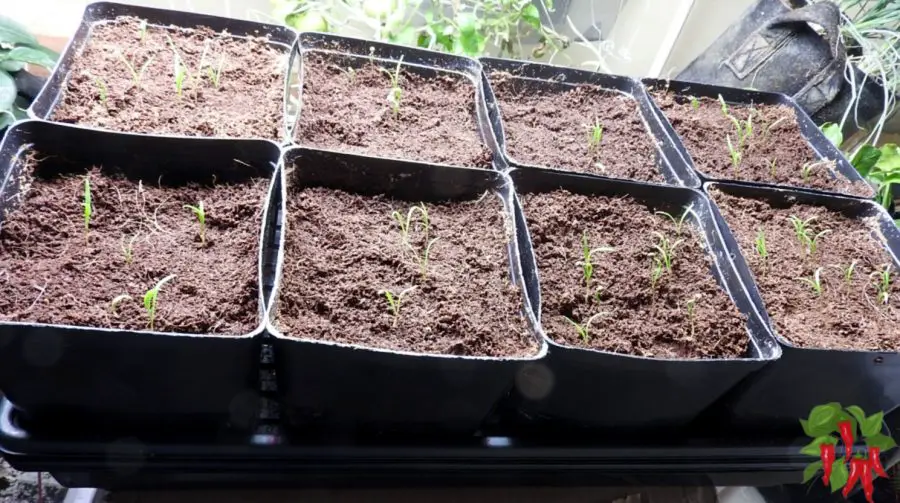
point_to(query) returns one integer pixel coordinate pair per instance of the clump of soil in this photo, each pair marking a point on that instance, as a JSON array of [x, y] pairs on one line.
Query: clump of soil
[[684, 315], [774, 152], [343, 251], [553, 127], [848, 313], [56, 272], [346, 106], [231, 87]]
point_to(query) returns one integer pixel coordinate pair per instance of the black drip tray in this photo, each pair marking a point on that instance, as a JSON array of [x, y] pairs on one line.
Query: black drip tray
[[518, 457]]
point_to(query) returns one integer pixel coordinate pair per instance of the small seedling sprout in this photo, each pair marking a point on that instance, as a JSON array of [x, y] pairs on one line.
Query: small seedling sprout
[[761, 248], [404, 221], [806, 171], [200, 213], [691, 306], [395, 301], [665, 250], [113, 306], [215, 75], [679, 222], [815, 282], [396, 93], [695, 103], [180, 72], [423, 260], [102, 90], [772, 170], [596, 135], [883, 286], [136, 76], [128, 249], [848, 272], [735, 154], [804, 234], [656, 272], [151, 299], [583, 329], [87, 205], [724, 106], [587, 253], [143, 29]]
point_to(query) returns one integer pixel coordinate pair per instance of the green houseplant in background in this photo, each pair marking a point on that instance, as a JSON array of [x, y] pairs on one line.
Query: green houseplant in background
[[18, 48]]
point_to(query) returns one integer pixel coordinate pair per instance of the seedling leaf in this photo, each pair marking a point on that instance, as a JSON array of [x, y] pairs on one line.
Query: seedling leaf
[[151, 299]]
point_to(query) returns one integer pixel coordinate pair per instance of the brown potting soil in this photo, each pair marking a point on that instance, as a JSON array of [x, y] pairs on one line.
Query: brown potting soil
[[246, 102], [847, 314], [553, 128], [685, 315], [775, 152], [53, 271], [343, 251], [349, 110]]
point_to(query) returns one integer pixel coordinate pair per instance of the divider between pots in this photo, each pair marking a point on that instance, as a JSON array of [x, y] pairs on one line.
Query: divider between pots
[[820, 145], [804, 377], [339, 387], [121, 378], [648, 392], [554, 80], [97, 13]]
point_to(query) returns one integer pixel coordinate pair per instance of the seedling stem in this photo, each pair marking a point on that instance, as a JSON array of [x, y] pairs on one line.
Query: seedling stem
[[201, 217], [151, 299], [395, 301], [583, 329]]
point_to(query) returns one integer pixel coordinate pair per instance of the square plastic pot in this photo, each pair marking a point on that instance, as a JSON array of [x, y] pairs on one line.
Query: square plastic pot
[[789, 388], [103, 12], [821, 145], [599, 389], [121, 379], [344, 388], [423, 62], [558, 79]]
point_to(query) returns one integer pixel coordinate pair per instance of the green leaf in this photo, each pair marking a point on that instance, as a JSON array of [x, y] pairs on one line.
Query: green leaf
[[810, 471], [6, 118], [871, 426], [865, 158], [812, 448], [31, 56], [833, 132], [13, 33], [471, 41], [823, 419], [890, 158], [857, 413], [839, 475], [881, 441], [8, 64], [409, 36], [530, 15], [7, 91]]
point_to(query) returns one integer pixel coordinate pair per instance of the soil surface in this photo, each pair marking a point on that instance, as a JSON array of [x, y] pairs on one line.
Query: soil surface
[[847, 314], [553, 128], [232, 86], [51, 271], [349, 110], [20, 487], [685, 315], [335, 275], [774, 151]]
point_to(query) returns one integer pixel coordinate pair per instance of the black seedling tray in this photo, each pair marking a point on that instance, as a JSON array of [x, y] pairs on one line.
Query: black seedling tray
[[420, 61], [343, 387], [503, 456], [787, 389], [600, 389], [122, 378], [821, 145], [102, 12], [560, 79]]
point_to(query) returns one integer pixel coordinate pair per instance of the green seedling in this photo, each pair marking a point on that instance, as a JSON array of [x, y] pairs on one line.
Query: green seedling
[[691, 306], [804, 234], [405, 221], [679, 222], [761, 247], [656, 271], [883, 286], [423, 260], [142, 30], [102, 90], [772, 170], [596, 135], [815, 282], [724, 106], [128, 249], [806, 171], [200, 213], [395, 301], [180, 72], [87, 205], [114, 305], [151, 299], [695, 103], [587, 254], [396, 93], [136, 76], [665, 250], [583, 329], [215, 75], [735, 153], [848, 273]]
